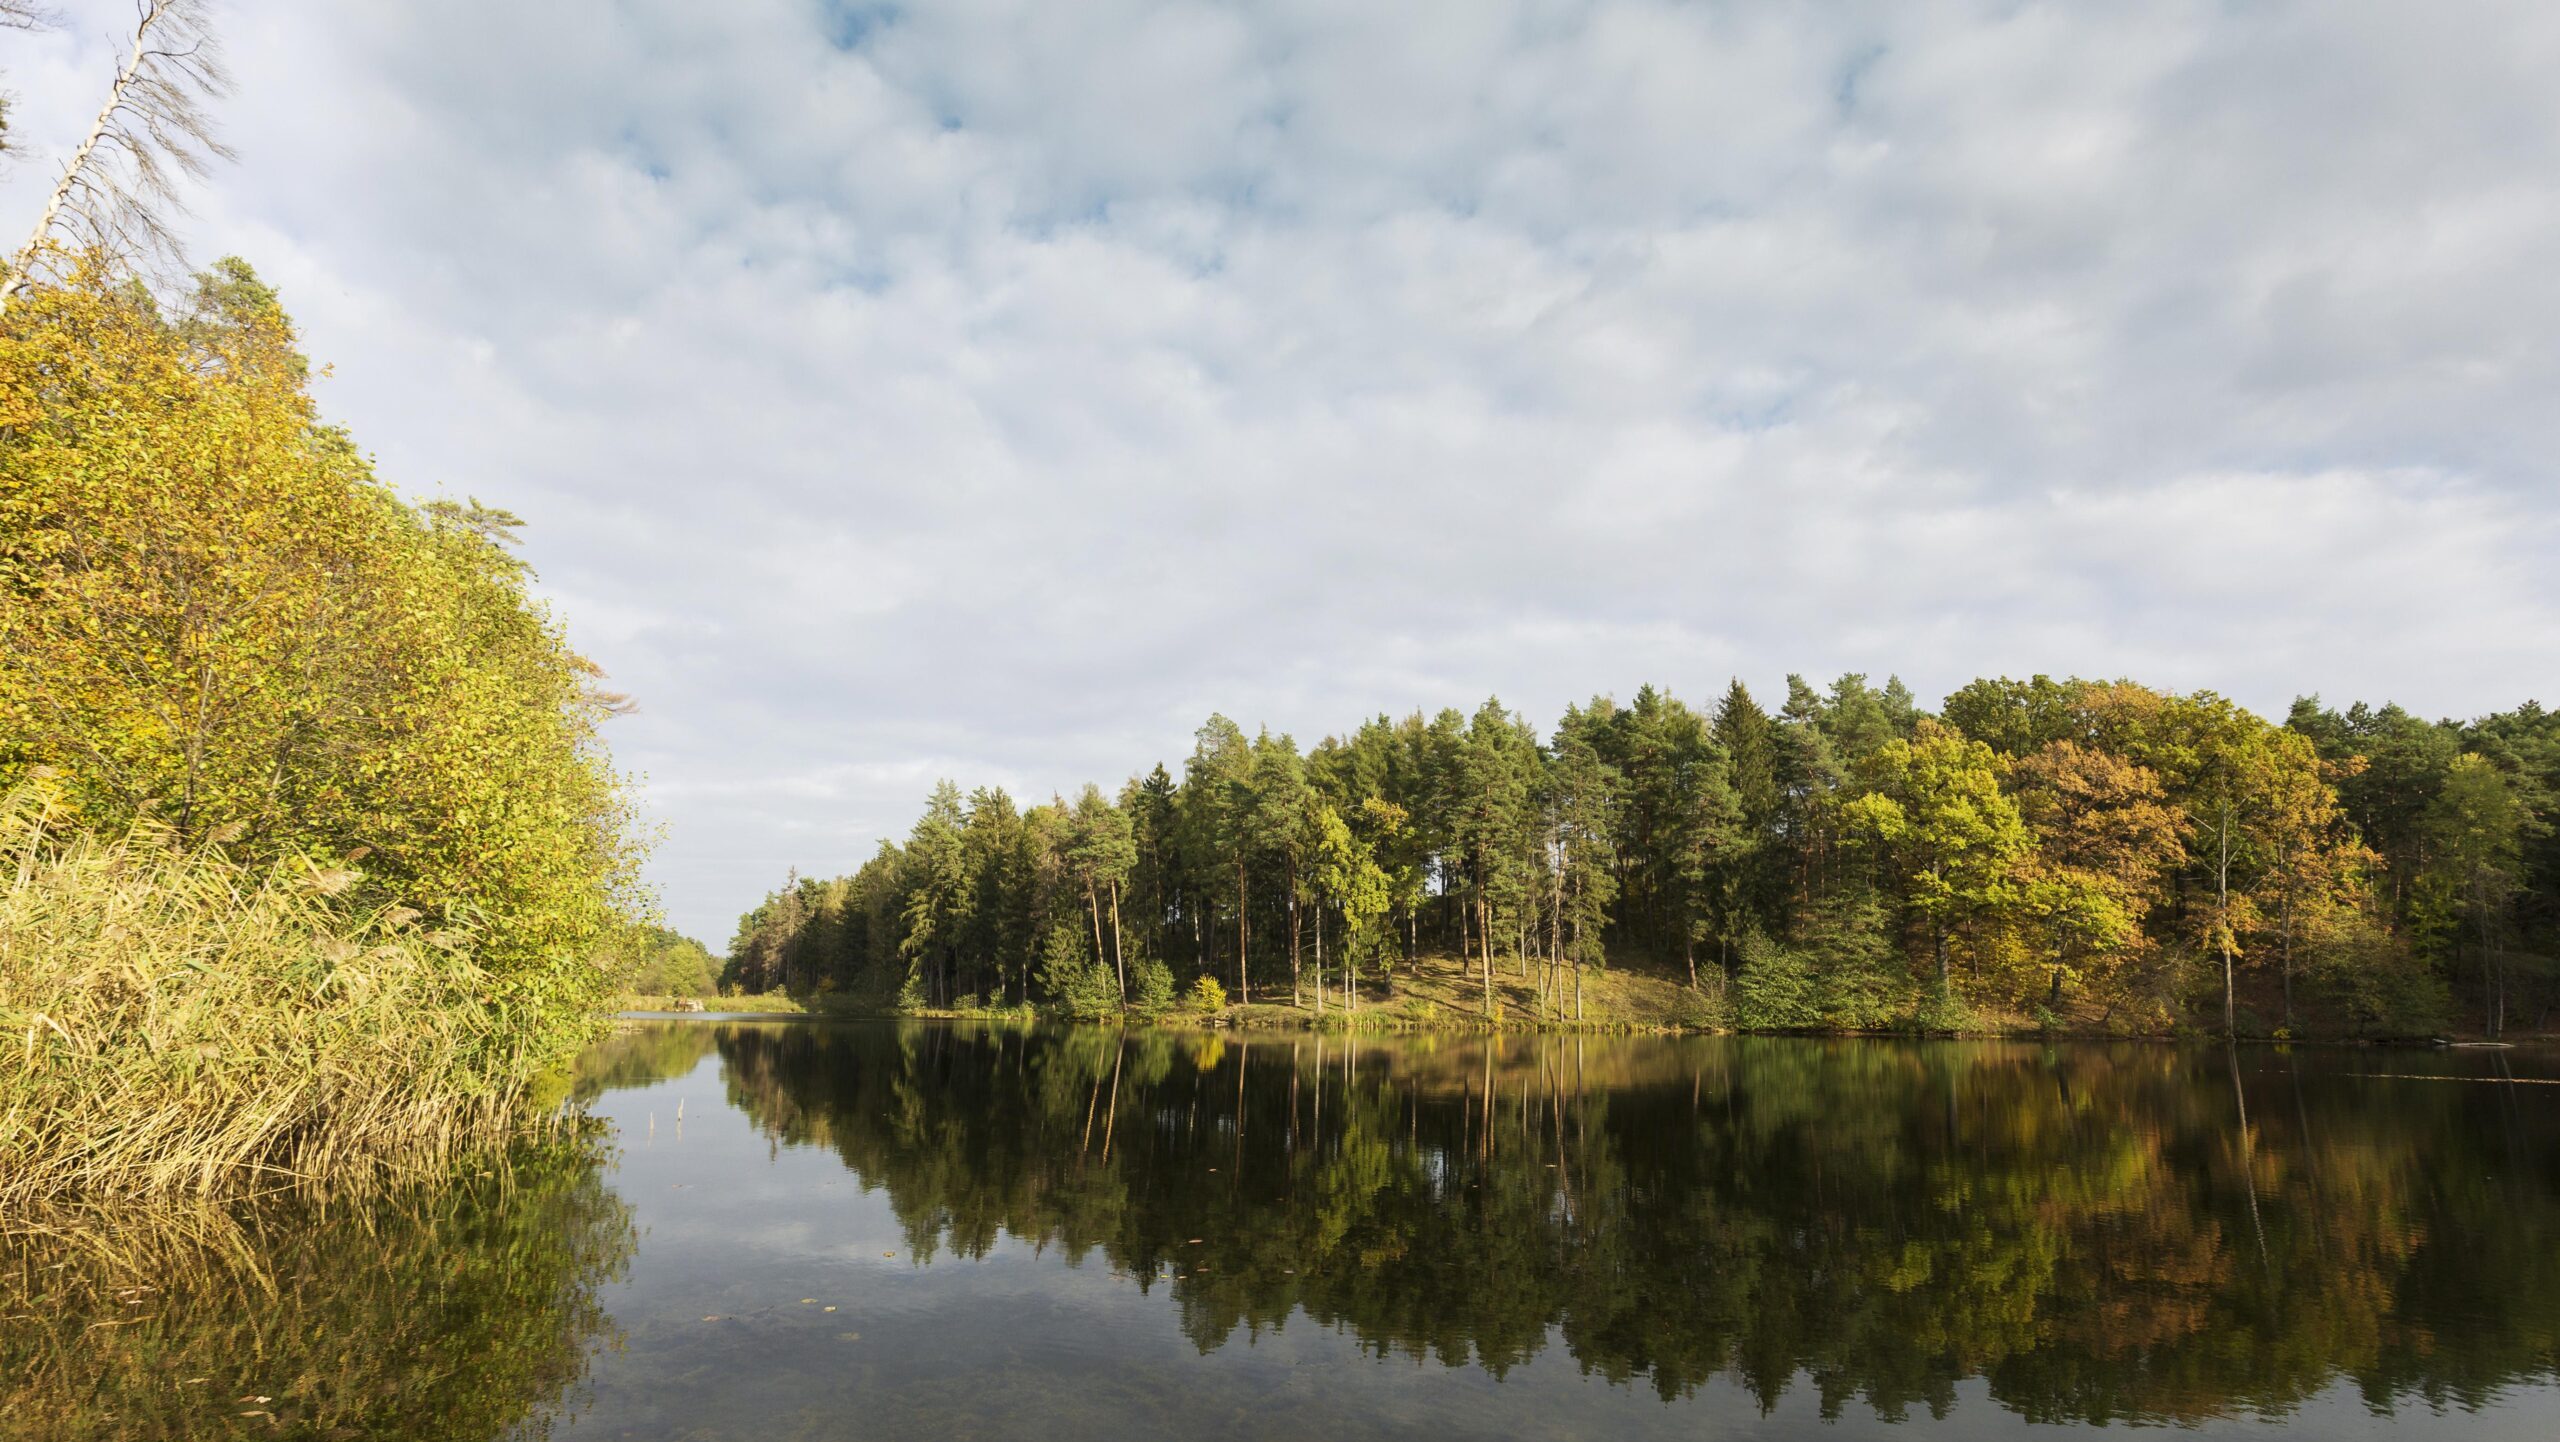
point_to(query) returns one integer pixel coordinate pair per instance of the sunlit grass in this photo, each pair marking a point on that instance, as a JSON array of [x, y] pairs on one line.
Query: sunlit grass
[[774, 1002], [177, 1024]]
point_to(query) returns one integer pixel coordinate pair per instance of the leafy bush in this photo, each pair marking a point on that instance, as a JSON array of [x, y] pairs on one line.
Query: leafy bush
[[1150, 984], [1075, 981], [1941, 1010], [1775, 989], [1207, 997]]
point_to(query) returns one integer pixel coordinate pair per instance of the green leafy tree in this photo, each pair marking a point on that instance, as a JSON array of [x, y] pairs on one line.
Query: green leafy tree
[[1346, 879], [214, 614], [1279, 831], [1955, 840], [1583, 795], [1218, 800], [1103, 852], [2480, 825], [940, 897]]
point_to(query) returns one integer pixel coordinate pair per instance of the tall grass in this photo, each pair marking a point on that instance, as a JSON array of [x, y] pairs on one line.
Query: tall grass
[[176, 1024]]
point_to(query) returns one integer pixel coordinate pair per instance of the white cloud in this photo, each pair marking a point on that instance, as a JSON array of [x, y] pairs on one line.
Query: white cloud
[[993, 388]]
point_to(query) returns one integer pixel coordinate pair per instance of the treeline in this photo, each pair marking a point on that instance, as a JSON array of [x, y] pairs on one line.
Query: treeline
[[651, 960], [2074, 853]]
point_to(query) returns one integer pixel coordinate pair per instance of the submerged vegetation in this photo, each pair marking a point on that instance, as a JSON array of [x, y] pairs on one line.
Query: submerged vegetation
[[2070, 855]]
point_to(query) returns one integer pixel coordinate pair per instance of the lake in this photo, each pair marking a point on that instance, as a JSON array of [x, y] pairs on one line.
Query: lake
[[797, 1229]]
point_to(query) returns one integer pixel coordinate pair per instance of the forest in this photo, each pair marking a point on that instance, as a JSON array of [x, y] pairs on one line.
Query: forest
[[2063, 854]]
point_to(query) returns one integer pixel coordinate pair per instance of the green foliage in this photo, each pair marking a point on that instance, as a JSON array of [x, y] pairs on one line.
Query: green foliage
[[1942, 1011], [651, 960], [1777, 989], [1839, 973], [212, 615], [1934, 805], [1081, 985], [1150, 984], [1206, 996], [2101, 856]]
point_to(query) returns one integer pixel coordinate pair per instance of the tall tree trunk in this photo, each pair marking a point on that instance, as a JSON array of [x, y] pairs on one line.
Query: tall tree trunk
[[2222, 924], [1093, 906], [1296, 998], [1244, 986], [2284, 956], [1578, 972], [1484, 937], [1119, 962], [2493, 969], [1555, 936], [1319, 961], [75, 174]]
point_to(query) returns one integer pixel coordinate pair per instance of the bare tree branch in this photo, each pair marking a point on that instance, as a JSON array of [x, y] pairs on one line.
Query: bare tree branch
[[119, 191]]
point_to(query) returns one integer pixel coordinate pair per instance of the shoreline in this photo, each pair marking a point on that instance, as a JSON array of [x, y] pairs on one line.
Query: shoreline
[[1300, 1021]]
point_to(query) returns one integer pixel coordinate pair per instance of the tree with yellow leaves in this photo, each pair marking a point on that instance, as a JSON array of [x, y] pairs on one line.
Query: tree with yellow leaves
[[212, 614]]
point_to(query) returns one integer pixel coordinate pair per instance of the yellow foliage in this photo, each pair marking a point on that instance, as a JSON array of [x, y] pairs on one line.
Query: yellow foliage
[[214, 616]]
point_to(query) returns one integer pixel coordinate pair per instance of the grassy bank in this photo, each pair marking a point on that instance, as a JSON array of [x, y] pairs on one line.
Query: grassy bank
[[768, 1003], [1443, 992], [177, 1023], [1434, 993]]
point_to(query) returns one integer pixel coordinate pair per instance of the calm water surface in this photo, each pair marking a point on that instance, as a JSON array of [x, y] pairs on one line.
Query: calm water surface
[[813, 1230]]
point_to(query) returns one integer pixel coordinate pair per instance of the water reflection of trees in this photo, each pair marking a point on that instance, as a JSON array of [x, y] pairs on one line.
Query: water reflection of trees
[[2098, 1232], [466, 1312], [639, 1054]]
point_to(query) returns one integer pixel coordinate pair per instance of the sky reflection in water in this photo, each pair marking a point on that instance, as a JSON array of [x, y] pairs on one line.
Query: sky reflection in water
[[1066, 1233], [790, 1229]]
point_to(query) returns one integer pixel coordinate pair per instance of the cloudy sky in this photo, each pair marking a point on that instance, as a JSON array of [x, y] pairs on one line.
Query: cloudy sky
[[993, 388]]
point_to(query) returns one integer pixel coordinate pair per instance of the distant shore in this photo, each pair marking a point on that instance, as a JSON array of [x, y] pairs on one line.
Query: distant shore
[[1441, 994]]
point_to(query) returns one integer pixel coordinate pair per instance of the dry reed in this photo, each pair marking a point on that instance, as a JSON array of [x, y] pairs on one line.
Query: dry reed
[[176, 1024]]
